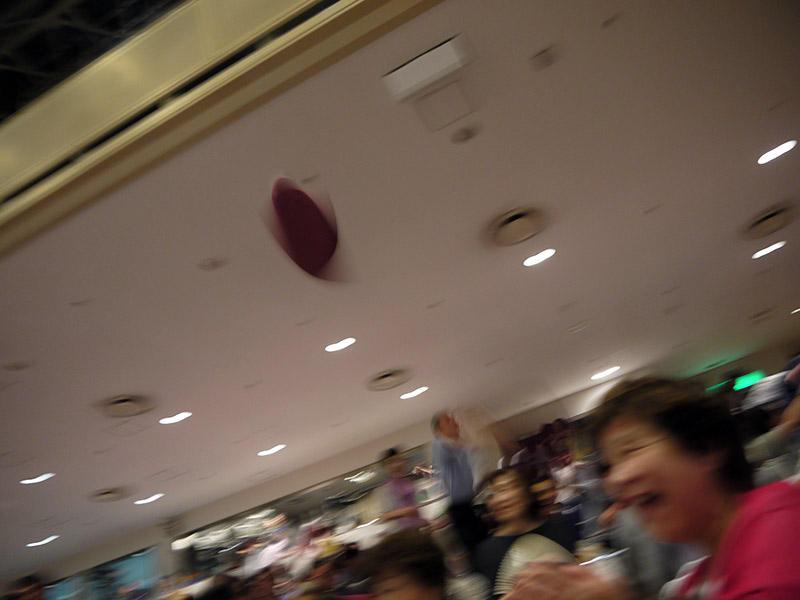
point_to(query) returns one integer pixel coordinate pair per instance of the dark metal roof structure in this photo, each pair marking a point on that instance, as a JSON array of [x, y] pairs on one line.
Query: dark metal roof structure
[[43, 42]]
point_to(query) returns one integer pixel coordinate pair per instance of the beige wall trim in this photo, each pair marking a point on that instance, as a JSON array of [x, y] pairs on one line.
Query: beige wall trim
[[132, 77], [277, 66]]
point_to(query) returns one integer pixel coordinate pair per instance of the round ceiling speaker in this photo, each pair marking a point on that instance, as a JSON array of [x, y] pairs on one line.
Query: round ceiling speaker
[[387, 380], [110, 494], [123, 407], [516, 226], [769, 221]]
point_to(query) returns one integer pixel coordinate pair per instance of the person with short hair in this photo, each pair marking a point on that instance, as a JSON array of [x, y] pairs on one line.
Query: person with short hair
[[675, 457], [261, 586], [407, 565], [518, 520], [452, 465]]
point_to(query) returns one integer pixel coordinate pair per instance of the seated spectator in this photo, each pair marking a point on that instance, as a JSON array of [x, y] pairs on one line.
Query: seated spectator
[[545, 492], [675, 458], [770, 452], [515, 513], [261, 586], [346, 578], [321, 575], [407, 565], [564, 525]]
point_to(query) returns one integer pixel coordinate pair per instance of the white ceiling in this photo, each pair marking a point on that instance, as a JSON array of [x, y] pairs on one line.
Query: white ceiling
[[640, 144]]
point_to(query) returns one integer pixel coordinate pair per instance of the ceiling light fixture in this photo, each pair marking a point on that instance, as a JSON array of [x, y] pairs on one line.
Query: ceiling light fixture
[[39, 479], [415, 393], [43, 542], [769, 249], [795, 311], [341, 345], [606, 373], [181, 416], [152, 498], [776, 152], [538, 258], [272, 450]]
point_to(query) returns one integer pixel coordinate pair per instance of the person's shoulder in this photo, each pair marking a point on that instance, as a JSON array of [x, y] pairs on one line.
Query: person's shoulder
[[762, 547], [776, 497]]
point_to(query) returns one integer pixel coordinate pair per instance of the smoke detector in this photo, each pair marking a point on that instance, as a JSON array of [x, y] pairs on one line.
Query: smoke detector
[[110, 494], [516, 226], [769, 221], [123, 407], [387, 380]]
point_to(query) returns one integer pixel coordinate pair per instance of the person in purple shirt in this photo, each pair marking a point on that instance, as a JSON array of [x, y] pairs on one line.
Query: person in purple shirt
[[398, 493]]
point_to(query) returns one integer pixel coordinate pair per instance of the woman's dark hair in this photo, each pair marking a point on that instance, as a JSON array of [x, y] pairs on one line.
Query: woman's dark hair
[[699, 424], [533, 503], [409, 553]]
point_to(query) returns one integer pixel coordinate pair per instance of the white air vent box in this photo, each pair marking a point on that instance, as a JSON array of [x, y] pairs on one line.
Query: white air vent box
[[426, 69]]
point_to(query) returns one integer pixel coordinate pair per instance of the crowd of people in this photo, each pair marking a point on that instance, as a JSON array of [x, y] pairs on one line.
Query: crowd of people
[[676, 498]]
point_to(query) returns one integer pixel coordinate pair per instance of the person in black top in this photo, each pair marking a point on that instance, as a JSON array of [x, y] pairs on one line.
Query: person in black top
[[514, 510]]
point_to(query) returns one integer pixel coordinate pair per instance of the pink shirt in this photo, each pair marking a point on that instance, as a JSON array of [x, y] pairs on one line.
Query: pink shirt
[[759, 556]]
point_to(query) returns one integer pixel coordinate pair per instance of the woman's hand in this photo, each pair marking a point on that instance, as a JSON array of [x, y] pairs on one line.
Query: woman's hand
[[551, 581]]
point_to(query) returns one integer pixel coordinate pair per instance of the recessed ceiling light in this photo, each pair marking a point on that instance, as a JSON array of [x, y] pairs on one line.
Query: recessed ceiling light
[[769, 249], [606, 373], [415, 393], [39, 479], [341, 345], [152, 498], [776, 152], [272, 450], [795, 311], [43, 542], [181, 416], [538, 258]]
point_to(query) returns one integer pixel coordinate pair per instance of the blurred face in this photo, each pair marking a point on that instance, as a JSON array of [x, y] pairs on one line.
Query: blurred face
[[507, 499], [404, 587], [672, 490], [448, 426], [545, 492], [395, 466]]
